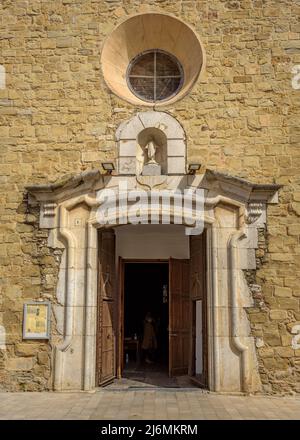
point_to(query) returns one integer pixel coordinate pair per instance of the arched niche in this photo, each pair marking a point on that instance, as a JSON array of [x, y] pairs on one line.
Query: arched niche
[[133, 135], [160, 140]]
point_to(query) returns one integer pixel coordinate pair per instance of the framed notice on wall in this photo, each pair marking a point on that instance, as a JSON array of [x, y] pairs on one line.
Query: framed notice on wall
[[36, 320]]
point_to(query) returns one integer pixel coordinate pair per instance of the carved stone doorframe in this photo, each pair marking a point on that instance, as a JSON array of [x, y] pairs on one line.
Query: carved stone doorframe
[[234, 210]]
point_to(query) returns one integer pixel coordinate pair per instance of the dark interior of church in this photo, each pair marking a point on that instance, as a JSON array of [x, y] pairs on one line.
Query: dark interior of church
[[146, 295]]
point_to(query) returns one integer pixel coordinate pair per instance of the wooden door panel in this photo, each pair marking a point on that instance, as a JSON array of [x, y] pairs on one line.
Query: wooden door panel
[[107, 263], [179, 317], [106, 340], [106, 308], [107, 366], [107, 326], [180, 355]]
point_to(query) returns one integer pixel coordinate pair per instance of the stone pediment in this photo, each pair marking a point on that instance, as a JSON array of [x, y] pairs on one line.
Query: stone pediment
[[214, 182], [64, 188], [235, 186]]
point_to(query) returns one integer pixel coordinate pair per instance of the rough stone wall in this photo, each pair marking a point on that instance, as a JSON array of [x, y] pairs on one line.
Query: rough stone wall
[[58, 117], [29, 272]]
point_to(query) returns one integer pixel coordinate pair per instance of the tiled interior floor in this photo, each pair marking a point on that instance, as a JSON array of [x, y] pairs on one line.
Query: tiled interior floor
[[149, 376]]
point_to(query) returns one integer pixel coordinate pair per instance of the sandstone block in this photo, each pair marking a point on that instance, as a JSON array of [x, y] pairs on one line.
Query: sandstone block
[[48, 43], [49, 261], [289, 303], [266, 352], [276, 363], [64, 42], [43, 358], [20, 363], [25, 350], [242, 79], [285, 351], [294, 230], [93, 156], [286, 340], [283, 291], [258, 317], [281, 257], [272, 339], [278, 314]]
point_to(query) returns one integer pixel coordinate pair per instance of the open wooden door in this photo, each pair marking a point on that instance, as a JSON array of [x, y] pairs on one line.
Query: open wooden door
[[106, 339], [199, 350], [179, 317]]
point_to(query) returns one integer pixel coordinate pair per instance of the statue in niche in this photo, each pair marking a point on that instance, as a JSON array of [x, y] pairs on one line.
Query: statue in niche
[[151, 151]]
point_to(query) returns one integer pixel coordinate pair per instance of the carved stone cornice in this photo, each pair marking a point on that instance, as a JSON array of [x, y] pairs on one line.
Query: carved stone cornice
[[235, 188]]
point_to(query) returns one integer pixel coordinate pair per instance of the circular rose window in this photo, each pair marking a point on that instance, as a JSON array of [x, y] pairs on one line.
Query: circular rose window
[[154, 75], [152, 59]]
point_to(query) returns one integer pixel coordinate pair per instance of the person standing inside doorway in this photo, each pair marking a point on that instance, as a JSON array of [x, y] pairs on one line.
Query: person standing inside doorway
[[149, 344]]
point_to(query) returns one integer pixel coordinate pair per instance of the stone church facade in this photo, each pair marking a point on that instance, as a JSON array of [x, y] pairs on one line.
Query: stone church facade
[[217, 94]]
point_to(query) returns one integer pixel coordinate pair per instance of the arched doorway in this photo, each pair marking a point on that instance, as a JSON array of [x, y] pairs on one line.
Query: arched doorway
[[163, 273], [234, 211]]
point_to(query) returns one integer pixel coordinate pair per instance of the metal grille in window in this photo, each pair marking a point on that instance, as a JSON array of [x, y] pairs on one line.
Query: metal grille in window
[[155, 75]]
